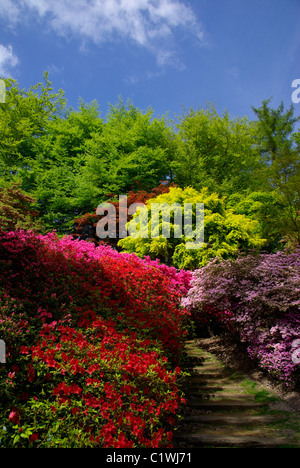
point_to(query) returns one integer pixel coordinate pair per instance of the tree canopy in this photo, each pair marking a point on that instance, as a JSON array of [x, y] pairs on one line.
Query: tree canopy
[[71, 160]]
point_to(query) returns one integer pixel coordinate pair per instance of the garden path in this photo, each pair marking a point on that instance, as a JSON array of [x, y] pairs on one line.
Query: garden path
[[225, 408]]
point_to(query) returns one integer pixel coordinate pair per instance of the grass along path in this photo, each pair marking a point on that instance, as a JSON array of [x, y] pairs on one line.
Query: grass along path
[[226, 408]]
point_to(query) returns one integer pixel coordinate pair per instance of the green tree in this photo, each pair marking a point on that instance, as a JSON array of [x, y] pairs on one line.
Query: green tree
[[264, 207], [225, 232], [61, 155], [132, 147], [279, 143], [23, 119], [217, 152], [70, 160], [42, 146]]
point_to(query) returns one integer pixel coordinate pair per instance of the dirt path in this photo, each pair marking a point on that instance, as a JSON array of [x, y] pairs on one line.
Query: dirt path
[[227, 408]]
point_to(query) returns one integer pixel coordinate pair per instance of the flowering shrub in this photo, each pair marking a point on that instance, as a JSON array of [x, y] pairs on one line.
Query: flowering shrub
[[93, 338], [53, 274], [180, 279], [95, 387], [262, 294], [225, 232]]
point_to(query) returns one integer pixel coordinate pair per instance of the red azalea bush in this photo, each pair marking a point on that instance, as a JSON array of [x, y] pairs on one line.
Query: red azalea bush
[[50, 274], [92, 343], [262, 295], [90, 387]]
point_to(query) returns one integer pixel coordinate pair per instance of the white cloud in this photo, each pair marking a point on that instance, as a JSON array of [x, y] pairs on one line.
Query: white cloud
[[10, 11], [148, 23], [8, 60]]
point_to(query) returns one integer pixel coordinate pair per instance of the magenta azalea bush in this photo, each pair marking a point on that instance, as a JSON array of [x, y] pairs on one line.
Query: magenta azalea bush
[[94, 341], [259, 295]]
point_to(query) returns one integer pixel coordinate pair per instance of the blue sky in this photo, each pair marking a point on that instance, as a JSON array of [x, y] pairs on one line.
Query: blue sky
[[166, 54]]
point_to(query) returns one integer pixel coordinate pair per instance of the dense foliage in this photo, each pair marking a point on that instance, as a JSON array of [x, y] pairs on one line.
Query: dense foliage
[[93, 339], [257, 296], [85, 227], [71, 160], [16, 210], [225, 233]]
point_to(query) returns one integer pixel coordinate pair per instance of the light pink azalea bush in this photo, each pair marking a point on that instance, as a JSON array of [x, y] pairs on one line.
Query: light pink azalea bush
[[260, 296]]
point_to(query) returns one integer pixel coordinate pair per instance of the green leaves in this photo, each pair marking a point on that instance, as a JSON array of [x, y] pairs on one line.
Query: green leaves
[[23, 118], [280, 150], [16, 210], [70, 161], [225, 232], [216, 152]]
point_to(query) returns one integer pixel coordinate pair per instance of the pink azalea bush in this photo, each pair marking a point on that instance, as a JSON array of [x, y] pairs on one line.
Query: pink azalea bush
[[259, 295], [94, 341]]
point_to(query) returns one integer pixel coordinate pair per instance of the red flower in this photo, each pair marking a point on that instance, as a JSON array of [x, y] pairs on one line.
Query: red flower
[[14, 417], [30, 372]]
